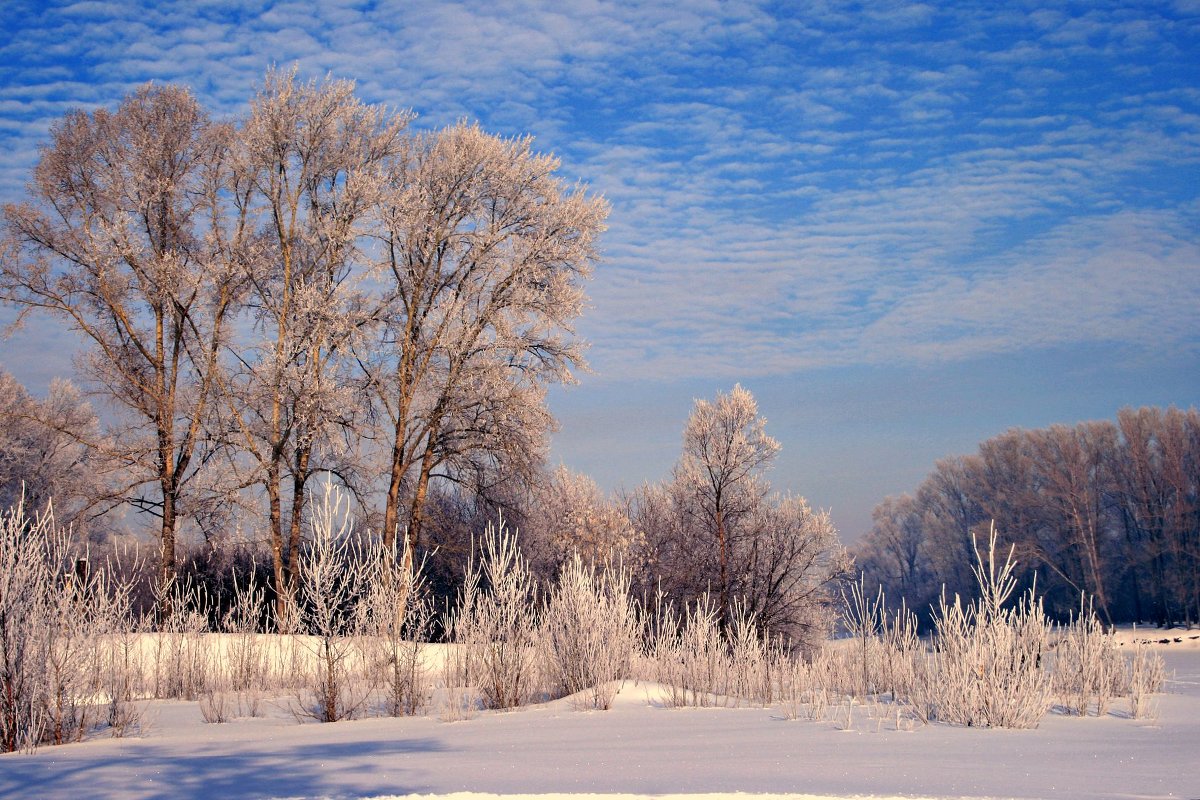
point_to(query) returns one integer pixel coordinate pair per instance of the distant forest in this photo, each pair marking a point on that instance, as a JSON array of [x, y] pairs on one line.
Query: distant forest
[[1102, 510]]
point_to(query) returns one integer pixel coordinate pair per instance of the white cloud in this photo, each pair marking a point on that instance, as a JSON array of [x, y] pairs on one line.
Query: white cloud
[[818, 187]]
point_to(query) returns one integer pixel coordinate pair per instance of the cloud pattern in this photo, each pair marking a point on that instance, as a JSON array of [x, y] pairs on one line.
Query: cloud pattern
[[846, 184]]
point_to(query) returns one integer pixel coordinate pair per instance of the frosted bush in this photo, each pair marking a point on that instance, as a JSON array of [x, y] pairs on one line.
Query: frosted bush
[[1088, 670], [246, 661], [588, 634], [689, 654], [184, 665], [330, 576], [1146, 674], [986, 667], [459, 699], [397, 620], [496, 622], [863, 619], [58, 626], [904, 655]]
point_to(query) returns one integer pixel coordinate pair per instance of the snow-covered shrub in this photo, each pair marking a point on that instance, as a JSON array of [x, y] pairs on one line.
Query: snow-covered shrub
[[77, 615], [793, 689], [1146, 674], [701, 663], [986, 667], [1087, 667], [589, 633], [757, 666], [496, 622], [122, 660], [245, 660], [183, 663], [459, 698], [397, 620], [239, 654], [904, 654], [57, 626], [883, 655], [863, 618], [330, 580], [29, 552], [689, 654], [215, 706]]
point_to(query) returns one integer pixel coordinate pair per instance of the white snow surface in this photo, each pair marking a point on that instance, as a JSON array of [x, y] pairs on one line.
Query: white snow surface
[[638, 749]]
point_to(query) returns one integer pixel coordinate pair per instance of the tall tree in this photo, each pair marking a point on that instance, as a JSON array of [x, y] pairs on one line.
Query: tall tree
[[309, 174], [1074, 483], [715, 526], [119, 239], [1158, 498], [893, 552], [1105, 511], [789, 566], [567, 514], [484, 250]]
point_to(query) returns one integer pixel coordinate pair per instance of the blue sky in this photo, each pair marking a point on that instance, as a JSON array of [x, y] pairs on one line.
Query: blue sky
[[905, 227]]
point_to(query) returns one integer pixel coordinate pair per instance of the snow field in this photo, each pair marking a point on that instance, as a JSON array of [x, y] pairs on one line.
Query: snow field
[[641, 747]]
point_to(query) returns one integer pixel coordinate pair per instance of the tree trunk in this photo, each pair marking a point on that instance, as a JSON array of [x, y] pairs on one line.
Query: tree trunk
[[299, 483], [278, 561], [167, 556], [722, 544], [400, 454], [417, 511], [391, 513]]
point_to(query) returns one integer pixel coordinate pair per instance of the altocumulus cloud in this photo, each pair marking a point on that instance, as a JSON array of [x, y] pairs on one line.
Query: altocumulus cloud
[[904, 182]]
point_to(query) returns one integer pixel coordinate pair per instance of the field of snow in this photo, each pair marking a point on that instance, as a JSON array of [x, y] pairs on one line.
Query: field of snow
[[639, 748]]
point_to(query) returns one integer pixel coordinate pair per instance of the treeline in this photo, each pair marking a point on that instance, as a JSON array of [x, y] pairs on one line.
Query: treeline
[[712, 533], [1105, 510]]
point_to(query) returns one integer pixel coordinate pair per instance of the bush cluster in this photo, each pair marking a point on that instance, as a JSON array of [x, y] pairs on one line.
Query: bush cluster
[[75, 658]]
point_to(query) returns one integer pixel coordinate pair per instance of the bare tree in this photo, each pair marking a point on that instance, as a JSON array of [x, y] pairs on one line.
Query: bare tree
[[483, 253], [42, 457], [1158, 500], [1073, 466], [1104, 510], [122, 238], [893, 553], [951, 513], [568, 515], [310, 161], [725, 452], [788, 567], [778, 562]]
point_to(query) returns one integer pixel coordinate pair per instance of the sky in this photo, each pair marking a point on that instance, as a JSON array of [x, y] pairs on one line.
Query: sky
[[905, 227]]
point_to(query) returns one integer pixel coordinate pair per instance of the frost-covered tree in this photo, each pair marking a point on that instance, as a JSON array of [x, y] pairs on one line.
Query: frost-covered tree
[[725, 452], [1099, 509], [43, 452], [122, 239], [308, 177], [1157, 478], [483, 253], [567, 515], [772, 556], [308, 289], [788, 569], [894, 553]]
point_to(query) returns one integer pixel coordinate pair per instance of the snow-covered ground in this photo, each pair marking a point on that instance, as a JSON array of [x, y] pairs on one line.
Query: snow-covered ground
[[638, 748]]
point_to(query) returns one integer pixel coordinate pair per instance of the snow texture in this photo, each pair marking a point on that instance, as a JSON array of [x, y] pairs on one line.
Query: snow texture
[[639, 748]]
